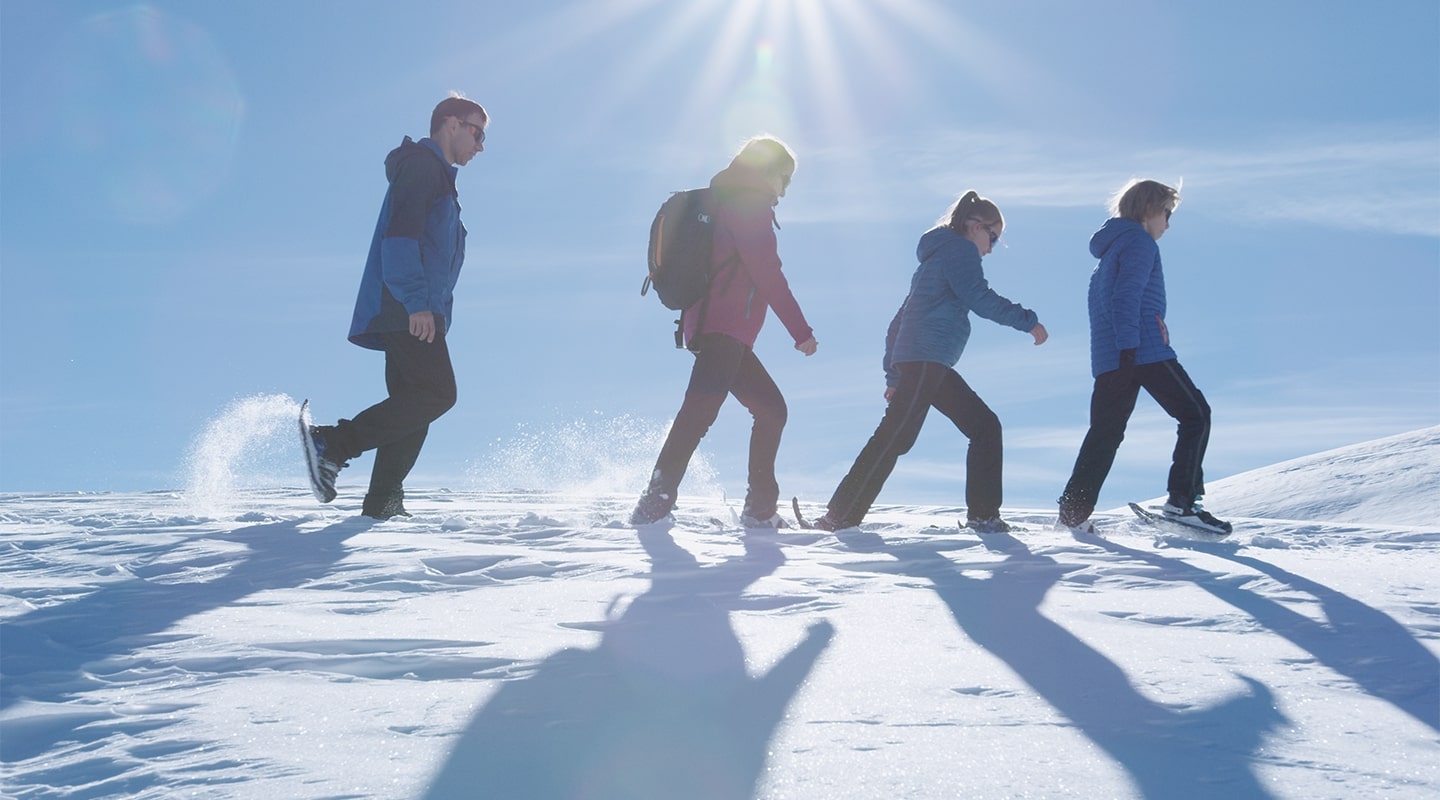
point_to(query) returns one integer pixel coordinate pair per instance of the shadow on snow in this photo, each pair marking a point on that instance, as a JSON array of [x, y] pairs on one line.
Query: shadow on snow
[[46, 651], [1362, 643], [1169, 753], [663, 707]]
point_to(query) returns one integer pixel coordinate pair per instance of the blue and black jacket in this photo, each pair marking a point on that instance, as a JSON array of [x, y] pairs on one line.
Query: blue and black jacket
[[418, 246]]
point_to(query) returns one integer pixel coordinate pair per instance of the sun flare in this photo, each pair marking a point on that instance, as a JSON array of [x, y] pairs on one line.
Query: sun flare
[[777, 66]]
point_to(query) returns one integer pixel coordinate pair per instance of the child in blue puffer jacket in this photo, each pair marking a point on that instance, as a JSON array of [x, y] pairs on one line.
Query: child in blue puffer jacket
[[1130, 350]]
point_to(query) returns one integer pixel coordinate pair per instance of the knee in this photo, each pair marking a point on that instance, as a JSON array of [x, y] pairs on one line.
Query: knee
[[443, 400], [1199, 415], [771, 414], [987, 428], [777, 414]]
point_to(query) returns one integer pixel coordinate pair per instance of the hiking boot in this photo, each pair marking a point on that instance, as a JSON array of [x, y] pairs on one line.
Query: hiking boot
[[653, 507], [1083, 527], [991, 525], [1192, 515], [1074, 516], [773, 522], [324, 463], [385, 506], [825, 522]]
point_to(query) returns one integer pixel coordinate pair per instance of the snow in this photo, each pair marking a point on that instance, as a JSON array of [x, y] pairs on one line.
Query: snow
[[1393, 481], [522, 643]]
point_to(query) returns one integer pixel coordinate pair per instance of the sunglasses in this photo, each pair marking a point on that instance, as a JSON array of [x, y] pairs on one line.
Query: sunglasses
[[475, 130], [994, 237]]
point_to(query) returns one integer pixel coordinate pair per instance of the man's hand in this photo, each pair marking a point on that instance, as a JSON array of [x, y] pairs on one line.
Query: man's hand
[[808, 346], [422, 326], [889, 393], [1039, 333]]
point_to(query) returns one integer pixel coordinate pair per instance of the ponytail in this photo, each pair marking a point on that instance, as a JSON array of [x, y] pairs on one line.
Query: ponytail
[[970, 206]]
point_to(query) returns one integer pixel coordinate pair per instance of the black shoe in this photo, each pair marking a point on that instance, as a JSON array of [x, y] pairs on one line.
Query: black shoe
[[991, 525], [825, 523], [324, 464], [387, 506], [1196, 517], [772, 522], [652, 508], [1074, 515]]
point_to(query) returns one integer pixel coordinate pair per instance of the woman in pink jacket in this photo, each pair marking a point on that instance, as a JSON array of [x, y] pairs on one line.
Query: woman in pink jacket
[[721, 331]]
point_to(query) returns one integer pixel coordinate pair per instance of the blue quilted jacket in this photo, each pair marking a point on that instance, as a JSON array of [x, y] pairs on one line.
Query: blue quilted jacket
[[934, 322], [1127, 297]]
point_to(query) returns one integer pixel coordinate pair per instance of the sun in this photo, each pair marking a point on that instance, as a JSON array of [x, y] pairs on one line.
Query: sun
[[742, 67]]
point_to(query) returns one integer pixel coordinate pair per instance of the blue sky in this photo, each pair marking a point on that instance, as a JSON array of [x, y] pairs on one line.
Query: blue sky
[[187, 191]]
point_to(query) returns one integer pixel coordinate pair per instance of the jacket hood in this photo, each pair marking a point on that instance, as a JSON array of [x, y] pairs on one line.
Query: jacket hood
[[938, 237], [739, 181], [407, 150], [1115, 229]]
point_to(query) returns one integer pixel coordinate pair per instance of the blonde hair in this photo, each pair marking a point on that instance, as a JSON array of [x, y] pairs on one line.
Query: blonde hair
[[768, 155], [1139, 199]]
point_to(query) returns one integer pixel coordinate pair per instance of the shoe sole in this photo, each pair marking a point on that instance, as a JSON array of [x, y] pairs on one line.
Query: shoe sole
[[1175, 523], [312, 456], [1197, 526]]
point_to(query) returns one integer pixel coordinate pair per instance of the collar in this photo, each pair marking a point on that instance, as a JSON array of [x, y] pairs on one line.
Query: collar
[[435, 148]]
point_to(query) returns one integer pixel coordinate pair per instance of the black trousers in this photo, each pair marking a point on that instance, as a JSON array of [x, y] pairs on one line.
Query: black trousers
[[1112, 403], [724, 366], [421, 385], [923, 385]]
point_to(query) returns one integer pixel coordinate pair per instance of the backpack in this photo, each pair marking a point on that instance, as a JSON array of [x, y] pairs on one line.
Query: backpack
[[680, 250]]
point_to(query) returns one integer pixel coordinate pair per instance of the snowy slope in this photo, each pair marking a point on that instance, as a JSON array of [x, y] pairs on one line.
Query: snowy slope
[[525, 644], [1390, 481]]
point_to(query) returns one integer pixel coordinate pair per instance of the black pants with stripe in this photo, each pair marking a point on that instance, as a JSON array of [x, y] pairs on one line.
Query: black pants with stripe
[[1112, 403], [923, 385], [724, 366]]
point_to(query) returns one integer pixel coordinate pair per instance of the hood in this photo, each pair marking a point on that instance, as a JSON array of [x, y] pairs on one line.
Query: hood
[[742, 183], [938, 237], [1115, 229], [407, 150]]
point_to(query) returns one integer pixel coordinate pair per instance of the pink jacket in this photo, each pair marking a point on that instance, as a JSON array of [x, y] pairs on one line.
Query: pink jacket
[[744, 220]]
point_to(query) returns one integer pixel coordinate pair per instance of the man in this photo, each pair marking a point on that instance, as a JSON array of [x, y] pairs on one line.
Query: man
[[404, 309], [1129, 351]]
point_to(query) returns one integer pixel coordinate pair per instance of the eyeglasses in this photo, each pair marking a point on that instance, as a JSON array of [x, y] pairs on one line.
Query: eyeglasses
[[475, 130], [994, 237], [1168, 212]]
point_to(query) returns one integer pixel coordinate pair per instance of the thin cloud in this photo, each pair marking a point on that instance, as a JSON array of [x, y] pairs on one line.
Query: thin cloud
[[1379, 178]]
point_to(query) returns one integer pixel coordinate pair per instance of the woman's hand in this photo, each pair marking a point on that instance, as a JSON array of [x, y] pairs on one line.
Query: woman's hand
[[1039, 333]]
